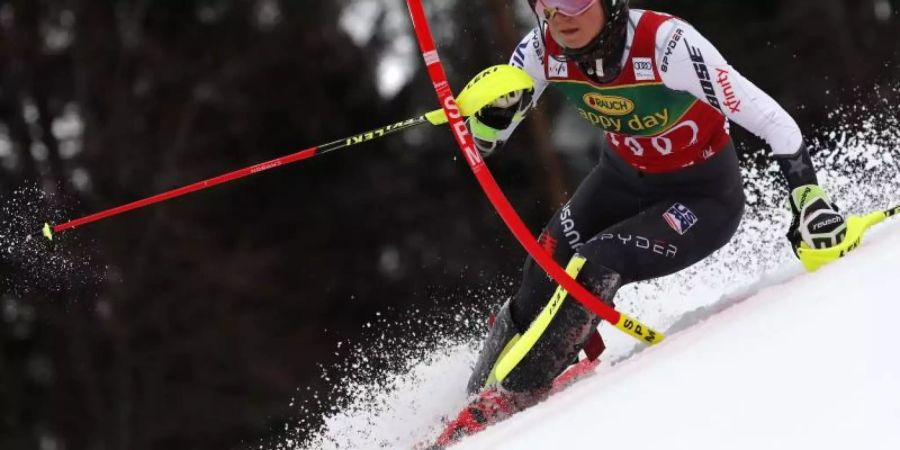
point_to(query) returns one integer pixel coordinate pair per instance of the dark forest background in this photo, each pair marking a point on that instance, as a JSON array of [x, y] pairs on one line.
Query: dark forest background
[[192, 324]]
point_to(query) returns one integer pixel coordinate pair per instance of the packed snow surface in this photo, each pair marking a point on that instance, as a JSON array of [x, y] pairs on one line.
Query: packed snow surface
[[759, 353], [809, 363]]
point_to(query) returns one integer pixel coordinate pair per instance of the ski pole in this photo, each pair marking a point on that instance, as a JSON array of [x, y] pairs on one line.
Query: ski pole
[[814, 258], [48, 231], [487, 86]]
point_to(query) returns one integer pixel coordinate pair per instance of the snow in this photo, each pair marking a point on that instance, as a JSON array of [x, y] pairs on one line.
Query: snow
[[789, 360], [808, 363], [759, 353], [412, 415]]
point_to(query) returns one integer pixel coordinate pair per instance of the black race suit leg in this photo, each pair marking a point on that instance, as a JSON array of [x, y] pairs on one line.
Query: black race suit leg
[[630, 226]]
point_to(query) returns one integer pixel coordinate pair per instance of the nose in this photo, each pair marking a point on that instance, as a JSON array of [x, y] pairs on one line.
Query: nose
[[560, 17]]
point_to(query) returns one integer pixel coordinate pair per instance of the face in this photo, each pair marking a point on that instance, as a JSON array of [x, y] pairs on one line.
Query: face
[[577, 31]]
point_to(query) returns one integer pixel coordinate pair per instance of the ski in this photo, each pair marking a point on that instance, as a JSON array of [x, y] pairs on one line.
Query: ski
[[493, 406]]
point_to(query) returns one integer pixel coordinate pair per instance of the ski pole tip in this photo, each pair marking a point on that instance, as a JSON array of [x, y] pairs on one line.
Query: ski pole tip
[[47, 231]]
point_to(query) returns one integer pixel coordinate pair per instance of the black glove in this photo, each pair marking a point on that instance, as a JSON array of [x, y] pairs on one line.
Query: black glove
[[817, 221], [487, 123], [501, 112]]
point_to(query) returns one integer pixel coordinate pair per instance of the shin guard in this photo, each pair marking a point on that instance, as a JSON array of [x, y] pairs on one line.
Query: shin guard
[[529, 361]]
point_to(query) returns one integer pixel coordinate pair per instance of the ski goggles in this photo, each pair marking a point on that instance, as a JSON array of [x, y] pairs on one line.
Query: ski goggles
[[570, 8]]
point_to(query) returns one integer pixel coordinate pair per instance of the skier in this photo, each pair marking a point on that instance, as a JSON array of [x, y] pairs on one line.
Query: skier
[[666, 193]]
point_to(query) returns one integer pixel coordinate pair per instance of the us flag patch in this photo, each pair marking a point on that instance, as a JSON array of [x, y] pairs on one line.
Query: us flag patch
[[680, 218]]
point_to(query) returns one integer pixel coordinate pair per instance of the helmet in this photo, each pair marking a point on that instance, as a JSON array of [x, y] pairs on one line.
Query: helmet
[[600, 58]]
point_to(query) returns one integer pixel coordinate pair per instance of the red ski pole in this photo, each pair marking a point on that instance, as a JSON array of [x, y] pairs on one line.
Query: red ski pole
[[49, 230]]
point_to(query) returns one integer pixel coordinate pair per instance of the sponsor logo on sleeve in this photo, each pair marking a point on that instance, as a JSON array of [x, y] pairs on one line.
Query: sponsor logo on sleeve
[[643, 69], [732, 102], [670, 48], [703, 75], [538, 45], [680, 218]]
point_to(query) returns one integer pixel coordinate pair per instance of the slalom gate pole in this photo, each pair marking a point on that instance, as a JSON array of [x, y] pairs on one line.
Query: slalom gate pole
[[472, 156], [484, 88]]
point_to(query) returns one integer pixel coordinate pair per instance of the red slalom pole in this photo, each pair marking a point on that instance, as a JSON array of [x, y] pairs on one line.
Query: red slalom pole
[[496, 196]]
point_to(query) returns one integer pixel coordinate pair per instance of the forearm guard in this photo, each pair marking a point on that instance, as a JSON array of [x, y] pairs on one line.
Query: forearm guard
[[797, 169]]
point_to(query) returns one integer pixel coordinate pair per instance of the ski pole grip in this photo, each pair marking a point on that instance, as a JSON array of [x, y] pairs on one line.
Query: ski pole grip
[[639, 330]]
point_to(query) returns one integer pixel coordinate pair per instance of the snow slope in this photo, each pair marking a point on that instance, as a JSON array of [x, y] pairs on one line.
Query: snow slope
[[810, 363], [759, 353]]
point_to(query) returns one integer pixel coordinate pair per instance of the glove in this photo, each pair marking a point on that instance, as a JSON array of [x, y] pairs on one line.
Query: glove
[[817, 222], [487, 123]]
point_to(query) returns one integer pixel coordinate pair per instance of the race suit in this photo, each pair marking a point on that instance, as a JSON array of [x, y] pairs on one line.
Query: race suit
[[667, 192]]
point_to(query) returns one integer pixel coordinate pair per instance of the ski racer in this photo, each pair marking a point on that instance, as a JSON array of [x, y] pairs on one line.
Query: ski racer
[[666, 193]]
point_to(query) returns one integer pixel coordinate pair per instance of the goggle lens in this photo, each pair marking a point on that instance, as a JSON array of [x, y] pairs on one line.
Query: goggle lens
[[570, 8]]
